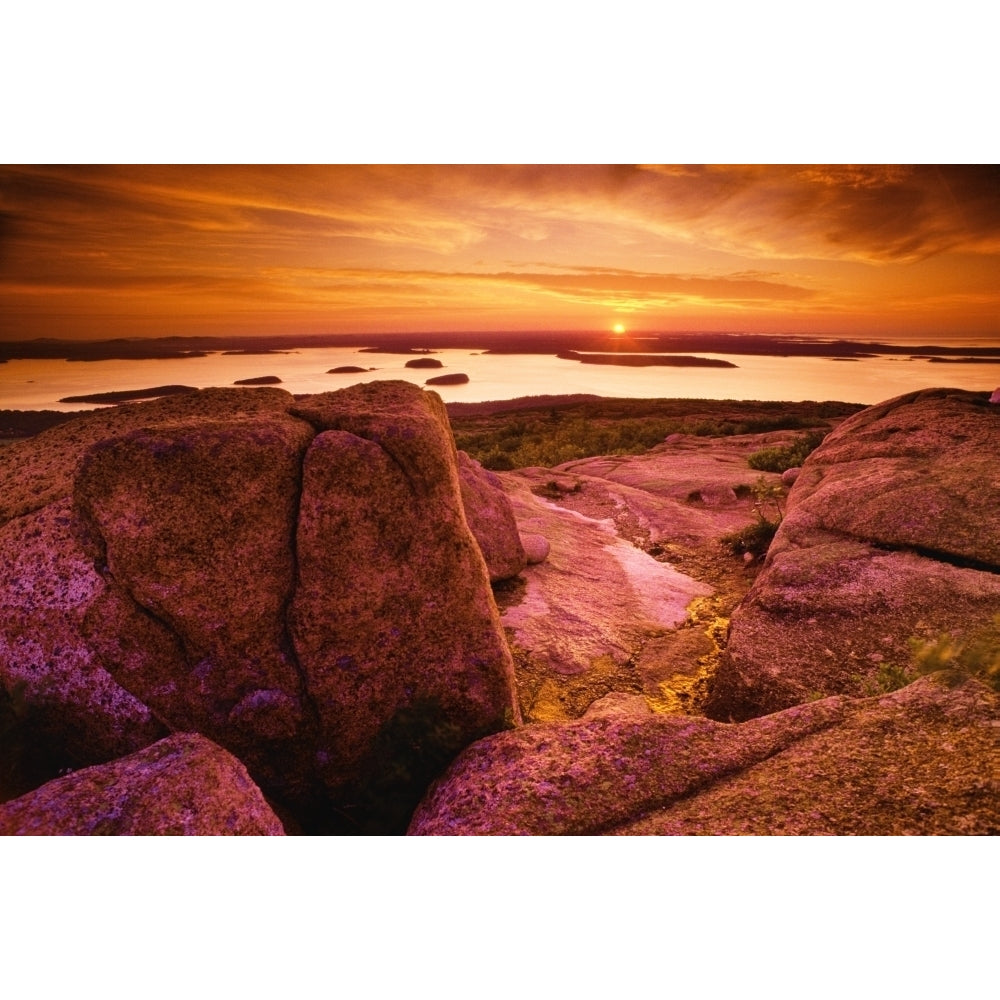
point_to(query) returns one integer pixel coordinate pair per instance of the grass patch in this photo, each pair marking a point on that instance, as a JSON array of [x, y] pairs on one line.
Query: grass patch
[[782, 457], [553, 434], [755, 538], [976, 654]]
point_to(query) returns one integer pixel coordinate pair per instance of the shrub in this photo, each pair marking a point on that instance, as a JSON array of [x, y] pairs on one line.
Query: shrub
[[977, 654], [781, 457], [888, 678], [756, 538]]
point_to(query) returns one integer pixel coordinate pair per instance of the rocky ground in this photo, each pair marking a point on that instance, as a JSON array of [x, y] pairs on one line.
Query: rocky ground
[[623, 528], [829, 657], [320, 589]]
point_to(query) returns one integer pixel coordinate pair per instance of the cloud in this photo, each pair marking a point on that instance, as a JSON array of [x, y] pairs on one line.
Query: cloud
[[335, 238]]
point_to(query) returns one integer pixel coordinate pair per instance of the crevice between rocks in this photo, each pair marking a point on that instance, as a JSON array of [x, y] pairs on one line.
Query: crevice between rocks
[[936, 555], [287, 642]]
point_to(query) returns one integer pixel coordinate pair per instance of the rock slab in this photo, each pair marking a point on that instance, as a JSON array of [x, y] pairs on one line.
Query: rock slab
[[181, 785], [918, 761], [891, 540]]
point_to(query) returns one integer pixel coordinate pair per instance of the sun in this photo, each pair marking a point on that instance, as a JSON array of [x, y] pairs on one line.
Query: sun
[[618, 328]]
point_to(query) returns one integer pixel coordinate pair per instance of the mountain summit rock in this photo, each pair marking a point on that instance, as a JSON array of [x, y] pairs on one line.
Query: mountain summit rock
[[297, 581]]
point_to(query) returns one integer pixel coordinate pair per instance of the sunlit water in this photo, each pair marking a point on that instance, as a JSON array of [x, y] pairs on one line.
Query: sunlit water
[[38, 385]]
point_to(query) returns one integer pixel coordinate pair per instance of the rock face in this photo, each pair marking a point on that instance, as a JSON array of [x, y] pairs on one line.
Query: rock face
[[192, 529], [409, 663], [912, 762], [891, 538], [491, 519], [183, 784], [298, 582]]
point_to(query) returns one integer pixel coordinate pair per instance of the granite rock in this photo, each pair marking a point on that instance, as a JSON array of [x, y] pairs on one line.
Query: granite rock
[[182, 785]]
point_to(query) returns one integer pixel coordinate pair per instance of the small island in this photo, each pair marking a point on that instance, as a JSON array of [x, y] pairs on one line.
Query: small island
[[455, 378], [348, 370], [129, 395], [260, 380], [646, 360], [424, 363], [394, 349]]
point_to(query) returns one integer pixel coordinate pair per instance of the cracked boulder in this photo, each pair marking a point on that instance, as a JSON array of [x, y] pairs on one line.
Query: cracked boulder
[[913, 762], [191, 527], [393, 618], [890, 543], [295, 580]]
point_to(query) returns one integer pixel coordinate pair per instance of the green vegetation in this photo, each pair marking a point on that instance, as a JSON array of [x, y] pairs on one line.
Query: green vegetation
[[781, 457], [889, 677], [767, 506], [552, 434], [977, 654], [549, 441]]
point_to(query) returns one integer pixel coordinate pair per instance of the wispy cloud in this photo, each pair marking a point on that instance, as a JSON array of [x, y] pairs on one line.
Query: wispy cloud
[[325, 240]]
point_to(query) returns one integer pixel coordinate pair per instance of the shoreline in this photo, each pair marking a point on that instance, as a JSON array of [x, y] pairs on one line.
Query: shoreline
[[500, 342], [19, 425]]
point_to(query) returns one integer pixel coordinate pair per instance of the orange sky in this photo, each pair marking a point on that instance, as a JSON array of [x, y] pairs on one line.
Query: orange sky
[[869, 252]]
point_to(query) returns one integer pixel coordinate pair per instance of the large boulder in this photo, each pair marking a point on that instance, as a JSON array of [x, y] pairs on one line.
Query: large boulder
[[392, 618], [891, 541], [912, 762], [69, 710], [191, 527], [183, 784], [491, 518], [295, 580]]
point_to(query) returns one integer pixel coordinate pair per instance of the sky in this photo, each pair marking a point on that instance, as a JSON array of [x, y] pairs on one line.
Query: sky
[[900, 252]]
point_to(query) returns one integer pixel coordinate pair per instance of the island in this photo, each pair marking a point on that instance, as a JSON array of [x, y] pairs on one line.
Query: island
[[646, 360], [128, 395]]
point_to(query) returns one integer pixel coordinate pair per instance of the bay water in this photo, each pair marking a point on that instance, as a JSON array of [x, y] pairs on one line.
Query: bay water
[[39, 385]]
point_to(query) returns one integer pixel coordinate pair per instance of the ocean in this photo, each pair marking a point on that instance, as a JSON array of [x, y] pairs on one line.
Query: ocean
[[39, 385]]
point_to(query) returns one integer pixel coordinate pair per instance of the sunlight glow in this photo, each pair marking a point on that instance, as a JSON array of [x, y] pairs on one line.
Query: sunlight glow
[[619, 328]]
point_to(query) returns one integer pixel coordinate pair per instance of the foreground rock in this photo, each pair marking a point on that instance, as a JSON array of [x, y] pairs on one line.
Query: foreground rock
[[491, 519], [191, 528], [296, 581], [184, 784], [891, 540], [914, 762], [392, 618]]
